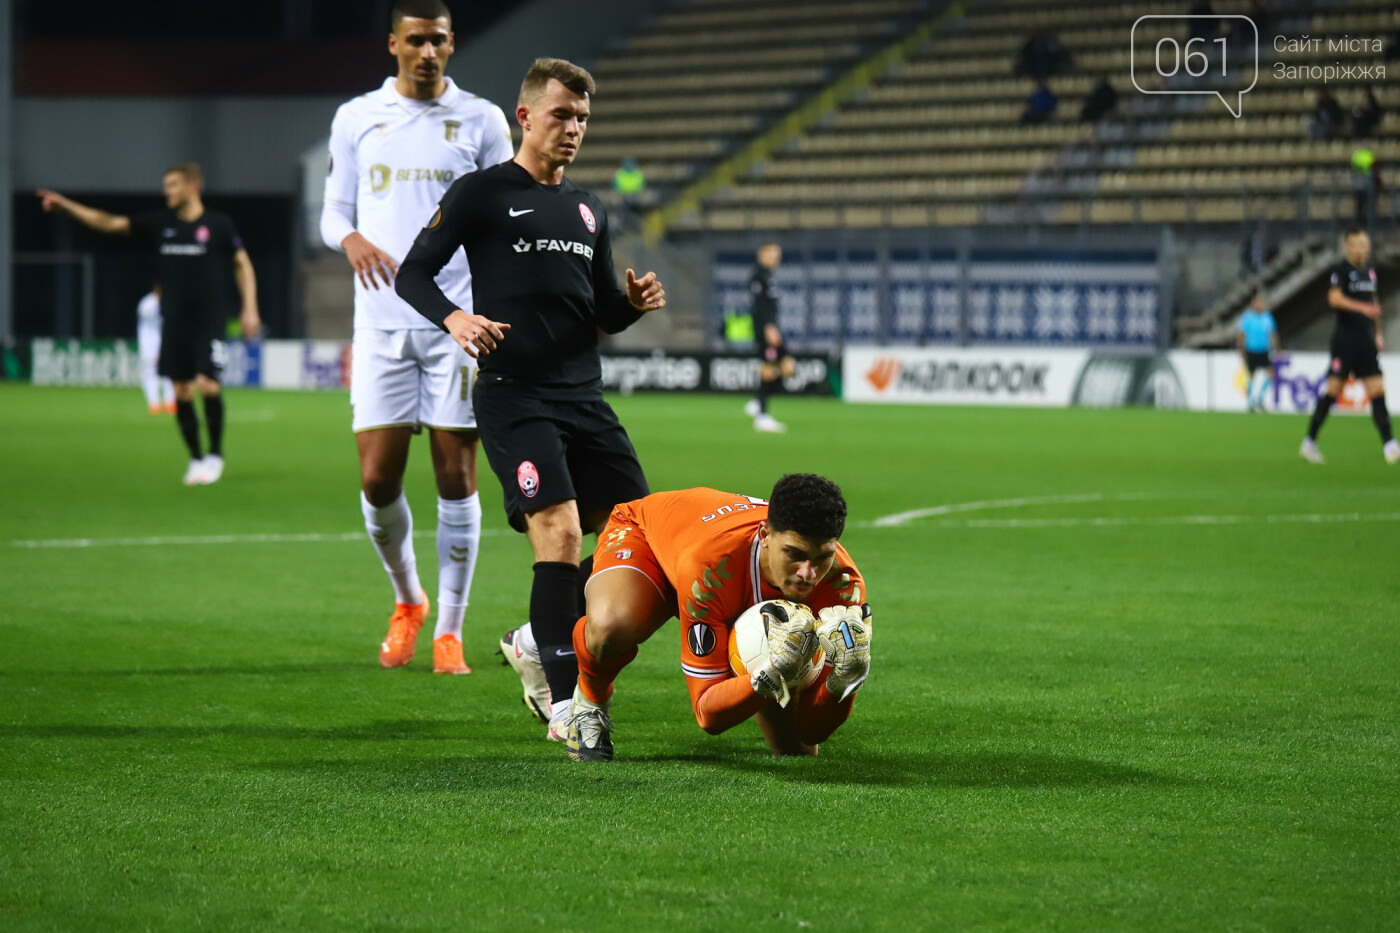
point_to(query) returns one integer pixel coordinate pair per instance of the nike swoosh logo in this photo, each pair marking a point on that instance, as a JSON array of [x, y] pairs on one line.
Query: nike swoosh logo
[[515, 213], [561, 653]]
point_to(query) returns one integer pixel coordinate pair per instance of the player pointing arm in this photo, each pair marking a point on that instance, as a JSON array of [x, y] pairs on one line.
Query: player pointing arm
[[249, 321], [196, 249]]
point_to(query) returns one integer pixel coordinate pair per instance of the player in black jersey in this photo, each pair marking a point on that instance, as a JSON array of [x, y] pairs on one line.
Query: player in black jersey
[[542, 285], [198, 251], [1356, 344], [774, 361]]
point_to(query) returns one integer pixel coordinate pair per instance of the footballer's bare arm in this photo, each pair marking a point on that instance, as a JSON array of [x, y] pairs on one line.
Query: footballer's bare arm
[[249, 321], [101, 221]]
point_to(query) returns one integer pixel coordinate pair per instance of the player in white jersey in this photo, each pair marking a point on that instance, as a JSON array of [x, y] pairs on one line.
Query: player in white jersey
[[394, 152], [160, 392]]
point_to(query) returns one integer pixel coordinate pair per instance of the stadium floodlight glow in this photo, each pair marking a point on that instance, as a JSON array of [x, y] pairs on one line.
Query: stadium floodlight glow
[[1173, 60]]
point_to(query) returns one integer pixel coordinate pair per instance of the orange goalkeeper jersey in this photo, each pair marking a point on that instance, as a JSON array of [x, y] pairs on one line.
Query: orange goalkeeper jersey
[[706, 545]]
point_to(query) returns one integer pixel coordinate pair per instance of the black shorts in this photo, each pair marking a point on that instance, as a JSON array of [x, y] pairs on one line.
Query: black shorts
[[545, 451], [1253, 361], [1353, 354], [184, 356]]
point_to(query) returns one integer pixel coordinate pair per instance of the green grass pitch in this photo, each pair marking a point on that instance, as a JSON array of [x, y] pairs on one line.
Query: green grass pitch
[[1160, 692]]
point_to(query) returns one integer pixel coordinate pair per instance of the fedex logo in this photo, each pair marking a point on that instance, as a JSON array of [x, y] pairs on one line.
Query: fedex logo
[[1294, 390]]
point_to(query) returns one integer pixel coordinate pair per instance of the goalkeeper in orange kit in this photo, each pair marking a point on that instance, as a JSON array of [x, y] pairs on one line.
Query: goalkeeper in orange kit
[[705, 556]]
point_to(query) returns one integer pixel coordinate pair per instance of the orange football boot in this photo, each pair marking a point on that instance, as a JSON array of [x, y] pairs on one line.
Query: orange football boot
[[447, 656], [399, 645], [170, 408]]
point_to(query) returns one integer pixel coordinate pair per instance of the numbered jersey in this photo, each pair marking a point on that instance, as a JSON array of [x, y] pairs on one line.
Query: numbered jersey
[[704, 543], [392, 159]]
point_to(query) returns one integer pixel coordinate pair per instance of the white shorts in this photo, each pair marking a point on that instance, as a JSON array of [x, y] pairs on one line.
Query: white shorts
[[148, 343], [408, 378]]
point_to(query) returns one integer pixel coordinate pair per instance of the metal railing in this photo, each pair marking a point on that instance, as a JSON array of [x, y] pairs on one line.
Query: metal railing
[[63, 308]]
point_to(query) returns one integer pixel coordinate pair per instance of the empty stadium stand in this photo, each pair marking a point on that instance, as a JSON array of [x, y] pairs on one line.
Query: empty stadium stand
[[684, 92], [937, 140]]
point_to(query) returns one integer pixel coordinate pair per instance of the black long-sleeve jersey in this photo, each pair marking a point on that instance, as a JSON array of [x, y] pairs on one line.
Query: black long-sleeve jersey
[[541, 261], [1359, 284]]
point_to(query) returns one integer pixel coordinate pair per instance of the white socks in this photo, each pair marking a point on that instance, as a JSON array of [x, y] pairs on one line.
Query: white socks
[[391, 531], [159, 390], [458, 543]]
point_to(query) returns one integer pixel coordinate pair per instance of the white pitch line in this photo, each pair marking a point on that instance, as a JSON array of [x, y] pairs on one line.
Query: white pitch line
[[903, 518], [182, 540], [1314, 518]]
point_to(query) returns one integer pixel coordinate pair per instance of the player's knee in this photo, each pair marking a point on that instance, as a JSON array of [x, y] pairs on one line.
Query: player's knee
[[380, 488], [562, 535], [611, 630]]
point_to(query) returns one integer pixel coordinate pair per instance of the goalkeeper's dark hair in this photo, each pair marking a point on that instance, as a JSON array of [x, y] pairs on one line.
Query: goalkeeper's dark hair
[[418, 9], [1353, 231], [808, 504]]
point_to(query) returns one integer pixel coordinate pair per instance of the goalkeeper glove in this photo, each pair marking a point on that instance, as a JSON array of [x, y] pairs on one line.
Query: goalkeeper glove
[[791, 645], [844, 633]]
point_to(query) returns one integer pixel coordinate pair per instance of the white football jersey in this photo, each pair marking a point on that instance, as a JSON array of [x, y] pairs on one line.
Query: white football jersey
[[148, 310], [392, 159]]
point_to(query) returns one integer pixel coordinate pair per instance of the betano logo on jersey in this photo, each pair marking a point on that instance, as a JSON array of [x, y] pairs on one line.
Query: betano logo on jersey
[[523, 245], [382, 176]]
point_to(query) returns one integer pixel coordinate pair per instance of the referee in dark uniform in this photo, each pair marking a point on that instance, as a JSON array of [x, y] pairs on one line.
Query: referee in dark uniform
[[198, 251], [542, 284], [1356, 344]]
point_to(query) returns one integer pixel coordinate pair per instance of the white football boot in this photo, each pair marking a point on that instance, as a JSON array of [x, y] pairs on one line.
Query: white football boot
[[1391, 451], [213, 468], [524, 659], [1309, 451], [194, 473], [767, 424], [560, 714], [751, 408], [590, 729]]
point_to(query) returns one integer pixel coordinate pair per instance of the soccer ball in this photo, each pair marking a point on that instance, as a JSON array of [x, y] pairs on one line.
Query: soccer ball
[[748, 640]]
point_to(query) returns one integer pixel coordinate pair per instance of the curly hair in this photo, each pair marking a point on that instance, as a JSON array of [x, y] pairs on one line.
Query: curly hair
[[808, 504]]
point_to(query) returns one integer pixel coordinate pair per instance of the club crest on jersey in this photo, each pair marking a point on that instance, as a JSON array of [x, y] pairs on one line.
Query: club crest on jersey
[[701, 639], [623, 554], [450, 128], [589, 220], [529, 479], [201, 234]]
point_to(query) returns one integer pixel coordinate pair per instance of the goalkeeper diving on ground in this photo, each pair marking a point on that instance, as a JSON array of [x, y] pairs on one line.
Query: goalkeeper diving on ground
[[705, 557]]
